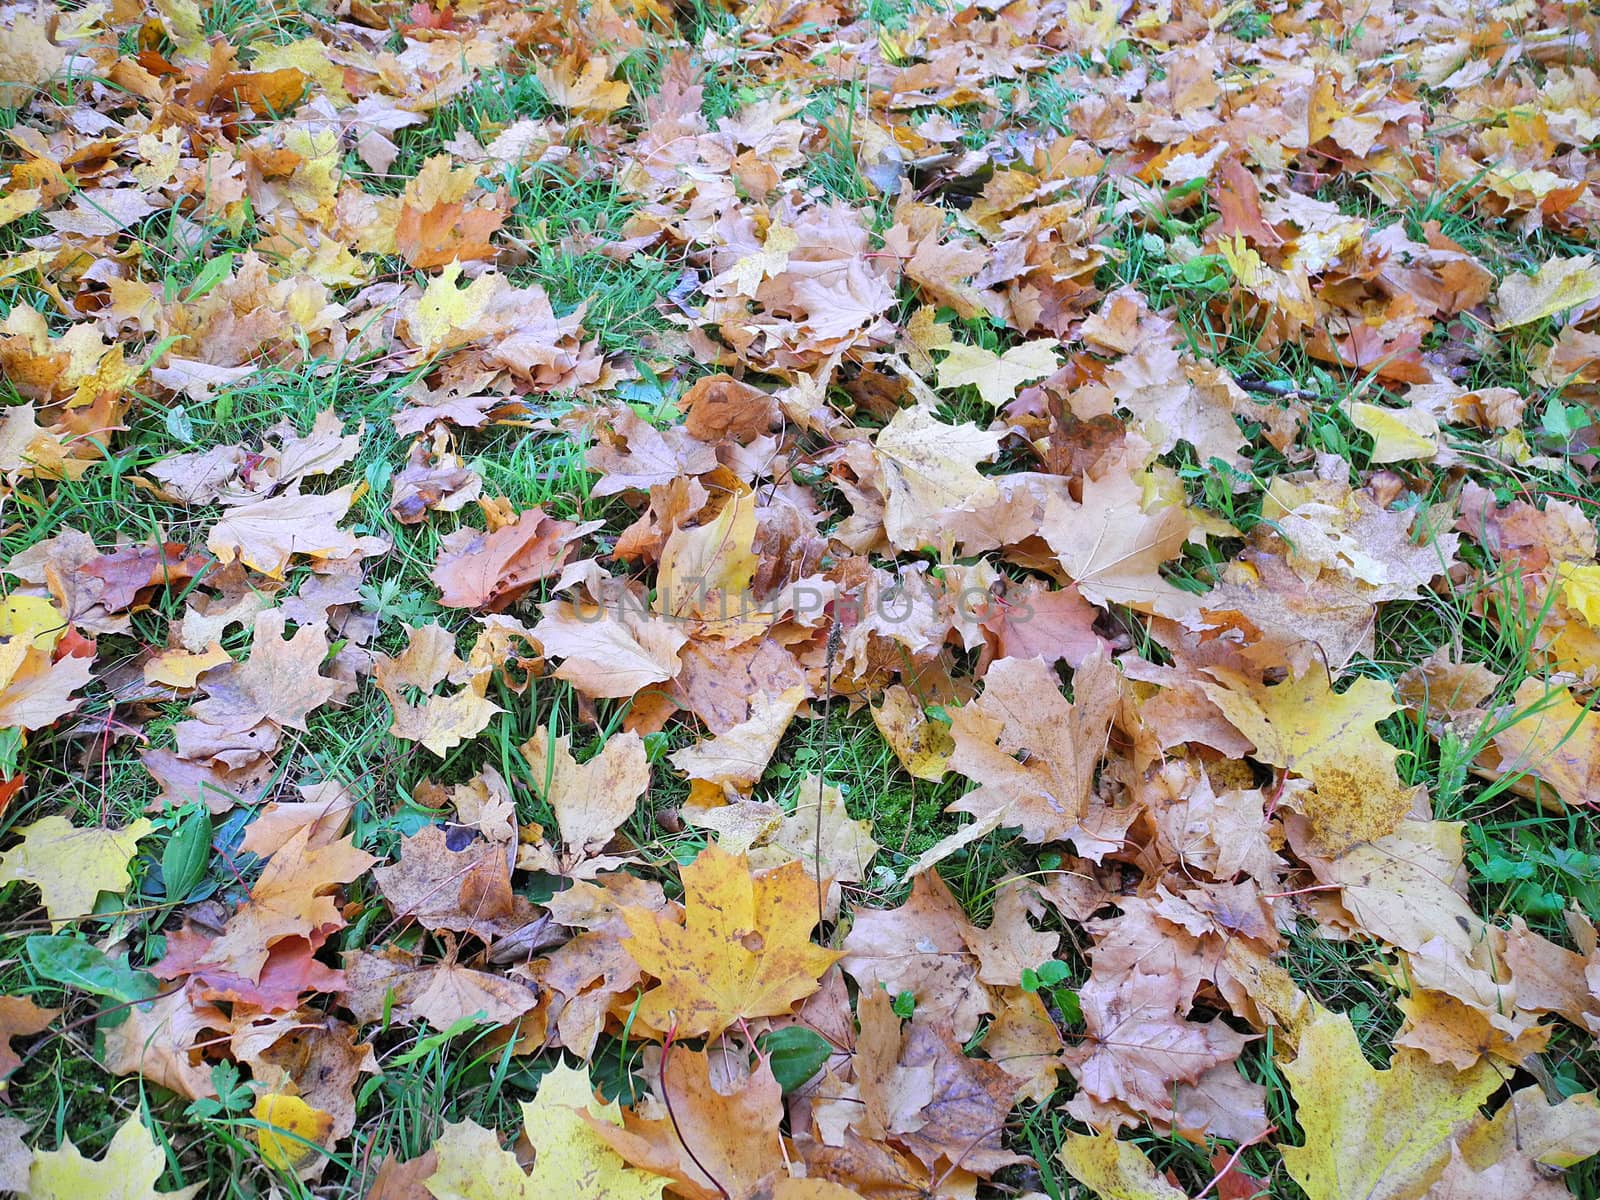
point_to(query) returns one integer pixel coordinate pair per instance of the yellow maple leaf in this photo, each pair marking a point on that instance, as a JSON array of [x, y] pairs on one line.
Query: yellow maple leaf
[[1560, 284], [179, 668], [314, 185], [571, 1159], [1113, 1169], [309, 56], [744, 949], [129, 1171], [20, 203], [445, 315], [72, 866], [1397, 434], [471, 1165], [184, 25], [998, 376], [705, 568], [922, 744], [1370, 1134], [929, 467], [1551, 735], [33, 618], [440, 722], [1580, 589], [587, 91], [1332, 740], [288, 1124]]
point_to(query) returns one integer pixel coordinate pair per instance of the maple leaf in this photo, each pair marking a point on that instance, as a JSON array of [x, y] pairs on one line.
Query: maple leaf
[[34, 691], [469, 1164], [1113, 545], [609, 651], [443, 721], [179, 668], [1397, 434], [1331, 739], [997, 376], [163, 1041], [713, 1144], [268, 533], [930, 467], [444, 885], [19, 1017], [1553, 737], [1114, 1169], [705, 568], [730, 763], [569, 1157], [946, 1107], [440, 221], [129, 570], [1402, 887], [922, 744], [281, 679], [1528, 1131], [641, 456], [1033, 753], [443, 994], [291, 898], [1559, 284], [821, 823], [590, 800], [132, 1165], [32, 619], [585, 90], [719, 406], [743, 950], [921, 947], [493, 570], [1370, 1134], [28, 59], [72, 866], [290, 971]]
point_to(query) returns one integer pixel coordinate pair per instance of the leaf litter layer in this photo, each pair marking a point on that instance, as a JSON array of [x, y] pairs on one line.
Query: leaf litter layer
[[799, 601]]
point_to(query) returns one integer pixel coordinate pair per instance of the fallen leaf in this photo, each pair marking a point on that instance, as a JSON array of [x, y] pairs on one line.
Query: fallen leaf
[[19, 1017], [443, 994], [590, 800], [1331, 739], [713, 1143], [997, 377], [72, 866], [493, 570], [129, 1170], [570, 1158], [1550, 735], [291, 898], [1377, 1135], [288, 1122], [266, 535], [929, 468], [1032, 752], [438, 720], [1114, 1169], [743, 950], [1559, 284]]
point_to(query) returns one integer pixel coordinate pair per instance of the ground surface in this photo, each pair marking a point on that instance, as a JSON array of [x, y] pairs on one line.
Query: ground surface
[[995, 600]]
